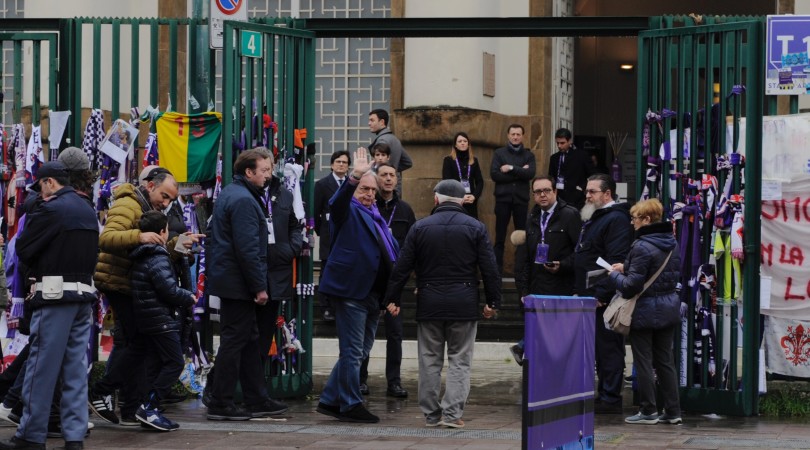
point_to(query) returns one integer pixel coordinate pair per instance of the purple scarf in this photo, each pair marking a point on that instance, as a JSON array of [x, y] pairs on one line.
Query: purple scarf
[[382, 227]]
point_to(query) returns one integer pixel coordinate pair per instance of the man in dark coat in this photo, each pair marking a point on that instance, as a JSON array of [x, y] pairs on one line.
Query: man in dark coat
[[606, 233], [446, 249], [570, 168], [325, 188], [59, 246], [362, 257], [512, 168], [545, 264], [399, 216], [285, 245], [238, 275]]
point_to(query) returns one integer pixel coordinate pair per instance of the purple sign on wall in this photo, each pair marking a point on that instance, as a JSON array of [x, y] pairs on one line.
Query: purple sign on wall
[[788, 40]]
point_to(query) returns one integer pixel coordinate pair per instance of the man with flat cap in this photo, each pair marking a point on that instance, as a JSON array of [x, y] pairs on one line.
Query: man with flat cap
[[446, 249], [59, 246]]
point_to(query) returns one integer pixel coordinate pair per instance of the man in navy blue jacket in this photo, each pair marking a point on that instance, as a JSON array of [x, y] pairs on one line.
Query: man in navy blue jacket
[[355, 277], [238, 275], [606, 233]]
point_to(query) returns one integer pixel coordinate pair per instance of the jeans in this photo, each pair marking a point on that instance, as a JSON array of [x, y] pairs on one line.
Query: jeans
[[503, 212], [393, 351], [168, 356], [653, 349], [356, 322], [238, 358]]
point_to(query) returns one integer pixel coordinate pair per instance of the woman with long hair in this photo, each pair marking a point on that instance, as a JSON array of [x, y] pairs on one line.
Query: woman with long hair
[[462, 165]]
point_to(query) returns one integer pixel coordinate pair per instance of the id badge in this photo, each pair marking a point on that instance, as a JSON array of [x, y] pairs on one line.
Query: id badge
[[271, 236], [541, 255], [466, 184], [560, 183]]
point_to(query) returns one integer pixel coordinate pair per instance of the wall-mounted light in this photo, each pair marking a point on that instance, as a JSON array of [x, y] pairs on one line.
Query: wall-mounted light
[[626, 67]]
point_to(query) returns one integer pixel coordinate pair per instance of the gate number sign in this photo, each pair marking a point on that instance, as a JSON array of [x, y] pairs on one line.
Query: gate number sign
[[251, 44], [788, 44]]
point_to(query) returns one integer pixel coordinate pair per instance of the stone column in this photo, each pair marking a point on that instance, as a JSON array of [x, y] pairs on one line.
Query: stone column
[[172, 9]]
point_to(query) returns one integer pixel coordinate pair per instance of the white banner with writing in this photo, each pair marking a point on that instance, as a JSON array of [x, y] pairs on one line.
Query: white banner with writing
[[785, 250]]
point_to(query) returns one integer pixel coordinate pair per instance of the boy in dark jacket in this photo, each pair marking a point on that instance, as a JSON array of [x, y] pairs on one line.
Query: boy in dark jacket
[[157, 297]]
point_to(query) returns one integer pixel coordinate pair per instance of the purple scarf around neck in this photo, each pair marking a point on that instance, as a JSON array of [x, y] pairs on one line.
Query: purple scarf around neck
[[382, 227]]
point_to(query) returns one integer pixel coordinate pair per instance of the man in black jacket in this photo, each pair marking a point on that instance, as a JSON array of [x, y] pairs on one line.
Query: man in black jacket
[[59, 245], [238, 275], [446, 249], [606, 233], [512, 168], [285, 244], [570, 168], [545, 264], [325, 188], [399, 217]]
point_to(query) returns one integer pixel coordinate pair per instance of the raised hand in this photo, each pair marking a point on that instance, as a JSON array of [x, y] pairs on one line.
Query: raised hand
[[361, 162]]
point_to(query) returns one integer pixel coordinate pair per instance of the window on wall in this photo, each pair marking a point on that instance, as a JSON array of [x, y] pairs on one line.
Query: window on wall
[[353, 74]]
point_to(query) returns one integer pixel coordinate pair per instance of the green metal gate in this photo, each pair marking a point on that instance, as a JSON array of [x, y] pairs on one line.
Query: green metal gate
[[702, 78], [270, 70]]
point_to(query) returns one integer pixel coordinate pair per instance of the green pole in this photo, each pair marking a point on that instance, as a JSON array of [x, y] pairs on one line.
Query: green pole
[[199, 58]]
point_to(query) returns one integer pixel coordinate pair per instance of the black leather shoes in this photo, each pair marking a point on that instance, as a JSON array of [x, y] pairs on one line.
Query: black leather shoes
[[364, 389], [16, 443], [396, 390]]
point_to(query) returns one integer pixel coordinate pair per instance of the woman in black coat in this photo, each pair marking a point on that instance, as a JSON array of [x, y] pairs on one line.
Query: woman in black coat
[[462, 165], [656, 317]]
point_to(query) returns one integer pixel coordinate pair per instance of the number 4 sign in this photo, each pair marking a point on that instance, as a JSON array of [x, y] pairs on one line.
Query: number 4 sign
[[251, 44]]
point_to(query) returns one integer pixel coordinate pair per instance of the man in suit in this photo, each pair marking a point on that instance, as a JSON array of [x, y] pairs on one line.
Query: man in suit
[[570, 168], [325, 188], [544, 264], [362, 258]]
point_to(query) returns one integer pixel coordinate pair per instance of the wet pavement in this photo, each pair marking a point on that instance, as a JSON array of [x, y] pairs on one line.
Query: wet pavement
[[492, 416]]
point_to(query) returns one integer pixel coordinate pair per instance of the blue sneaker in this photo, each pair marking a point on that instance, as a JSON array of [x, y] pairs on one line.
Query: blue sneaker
[[646, 419], [153, 418]]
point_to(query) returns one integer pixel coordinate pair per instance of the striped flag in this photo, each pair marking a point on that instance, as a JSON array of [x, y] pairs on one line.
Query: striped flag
[[188, 144]]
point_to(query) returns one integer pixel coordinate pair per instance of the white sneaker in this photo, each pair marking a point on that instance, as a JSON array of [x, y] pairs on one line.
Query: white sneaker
[[7, 415]]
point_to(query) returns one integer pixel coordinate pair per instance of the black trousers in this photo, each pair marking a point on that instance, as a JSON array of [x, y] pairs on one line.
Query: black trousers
[[503, 212], [323, 299], [609, 360], [652, 349], [123, 373], [393, 351], [238, 358]]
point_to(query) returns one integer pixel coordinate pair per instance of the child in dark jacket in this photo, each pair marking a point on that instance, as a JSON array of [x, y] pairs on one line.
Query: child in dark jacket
[[157, 298]]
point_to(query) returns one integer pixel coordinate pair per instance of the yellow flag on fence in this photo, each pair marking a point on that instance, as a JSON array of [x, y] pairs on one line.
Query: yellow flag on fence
[[188, 144]]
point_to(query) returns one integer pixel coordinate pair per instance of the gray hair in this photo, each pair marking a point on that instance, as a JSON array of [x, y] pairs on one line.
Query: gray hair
[[446, 198]]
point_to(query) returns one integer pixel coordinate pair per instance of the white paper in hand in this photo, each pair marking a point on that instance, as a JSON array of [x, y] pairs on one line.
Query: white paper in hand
[[603, 264]]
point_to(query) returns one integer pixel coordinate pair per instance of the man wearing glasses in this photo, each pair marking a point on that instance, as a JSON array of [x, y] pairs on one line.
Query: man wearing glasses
[[545, 265], [325, 188], [606, 233], [355, 278]]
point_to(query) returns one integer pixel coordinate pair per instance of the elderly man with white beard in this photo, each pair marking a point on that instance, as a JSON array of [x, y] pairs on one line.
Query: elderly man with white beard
[[606, 233]]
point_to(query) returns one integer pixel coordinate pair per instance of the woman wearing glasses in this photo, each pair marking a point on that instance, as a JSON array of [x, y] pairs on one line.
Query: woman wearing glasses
[[462, 165], [656, 316]]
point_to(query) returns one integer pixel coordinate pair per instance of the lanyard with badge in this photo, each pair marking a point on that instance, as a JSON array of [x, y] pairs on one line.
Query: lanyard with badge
[[560, 177], [541, 255], [391, 219], [464, 181], [268, 202]]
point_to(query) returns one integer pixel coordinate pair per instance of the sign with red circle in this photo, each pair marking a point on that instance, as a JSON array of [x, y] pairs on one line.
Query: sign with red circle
[[229, 7]]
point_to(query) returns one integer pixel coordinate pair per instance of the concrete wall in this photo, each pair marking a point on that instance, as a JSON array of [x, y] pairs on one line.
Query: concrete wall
[[450, 71], [428, 135]]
